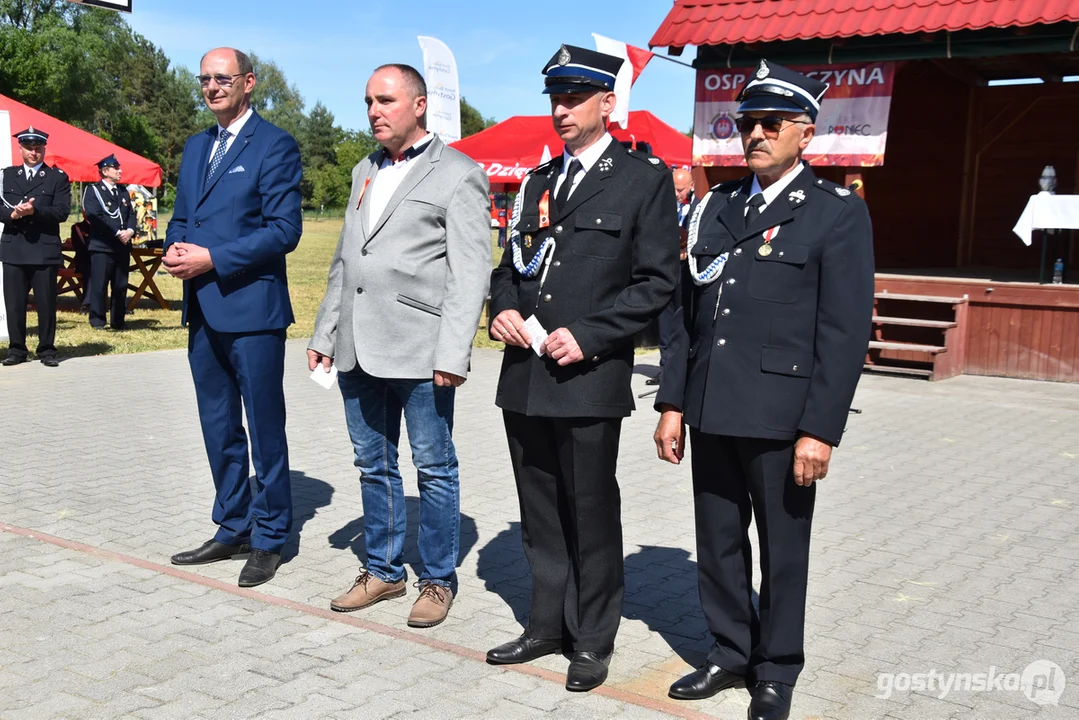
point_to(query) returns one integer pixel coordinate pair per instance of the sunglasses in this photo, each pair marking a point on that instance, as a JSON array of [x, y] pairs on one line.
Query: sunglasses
[[770, 124], [221, 80]]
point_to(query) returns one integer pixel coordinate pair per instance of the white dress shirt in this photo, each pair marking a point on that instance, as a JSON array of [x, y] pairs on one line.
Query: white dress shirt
[[773, 191], [588, 157], [387, 180], [234, 129]]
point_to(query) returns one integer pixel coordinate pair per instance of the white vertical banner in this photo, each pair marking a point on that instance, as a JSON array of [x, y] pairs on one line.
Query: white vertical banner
[[623, 82], [443, 91], [5, 161]]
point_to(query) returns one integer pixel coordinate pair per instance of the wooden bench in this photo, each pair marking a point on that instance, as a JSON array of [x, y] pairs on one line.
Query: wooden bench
[[920, 335]]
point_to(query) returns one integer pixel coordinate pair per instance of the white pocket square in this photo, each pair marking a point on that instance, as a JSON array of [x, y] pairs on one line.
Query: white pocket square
[[238, 168]]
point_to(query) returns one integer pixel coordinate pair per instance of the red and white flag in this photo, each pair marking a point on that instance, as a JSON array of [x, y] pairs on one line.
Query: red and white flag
[[635, 60]]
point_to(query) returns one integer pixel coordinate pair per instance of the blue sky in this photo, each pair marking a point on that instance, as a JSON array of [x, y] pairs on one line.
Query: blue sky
[[328, 48]]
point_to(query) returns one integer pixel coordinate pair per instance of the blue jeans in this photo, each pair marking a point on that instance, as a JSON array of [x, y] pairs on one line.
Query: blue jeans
[[373, 408]]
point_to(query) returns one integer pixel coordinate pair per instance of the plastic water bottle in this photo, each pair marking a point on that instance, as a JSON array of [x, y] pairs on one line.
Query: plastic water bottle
[[1058, 271]]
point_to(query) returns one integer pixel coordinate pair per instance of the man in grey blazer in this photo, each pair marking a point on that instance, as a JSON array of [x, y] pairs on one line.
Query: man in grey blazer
[[406, 287]]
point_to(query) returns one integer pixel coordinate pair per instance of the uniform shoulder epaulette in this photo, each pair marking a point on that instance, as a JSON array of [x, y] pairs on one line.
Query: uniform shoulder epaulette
[[539, 169], [834, 189], [729, 186], [648, 158]]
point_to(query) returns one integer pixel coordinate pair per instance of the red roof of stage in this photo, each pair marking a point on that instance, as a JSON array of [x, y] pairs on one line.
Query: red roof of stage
[[76, 151], [727, 22], [511, 148]]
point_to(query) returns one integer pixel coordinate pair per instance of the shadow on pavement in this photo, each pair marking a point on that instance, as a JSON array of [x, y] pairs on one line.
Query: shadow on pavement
[[661, 592], [351, 537], [502, 566], [308, 495]]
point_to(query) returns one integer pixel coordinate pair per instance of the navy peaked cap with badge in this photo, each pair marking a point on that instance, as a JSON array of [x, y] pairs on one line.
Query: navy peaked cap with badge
[[110, 161], [774, 87], [576, 70], [32, 136]]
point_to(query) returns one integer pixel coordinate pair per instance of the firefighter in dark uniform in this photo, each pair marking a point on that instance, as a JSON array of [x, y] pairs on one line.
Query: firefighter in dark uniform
[[775, 324], [36, 199], [593, 257], [113, 222]]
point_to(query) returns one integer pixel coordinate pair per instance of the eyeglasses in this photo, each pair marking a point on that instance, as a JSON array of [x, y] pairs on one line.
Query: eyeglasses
[[221, 80], [770, 124]]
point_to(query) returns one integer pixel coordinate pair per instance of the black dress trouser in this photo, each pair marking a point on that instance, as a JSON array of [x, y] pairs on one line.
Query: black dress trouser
[[108, 273], [19, 280], [734, 481], [571, 526]]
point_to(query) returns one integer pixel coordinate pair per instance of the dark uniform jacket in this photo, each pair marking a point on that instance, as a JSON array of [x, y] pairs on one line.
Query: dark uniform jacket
[[614, 268], [34, 239], [100, 208], [775, 346]]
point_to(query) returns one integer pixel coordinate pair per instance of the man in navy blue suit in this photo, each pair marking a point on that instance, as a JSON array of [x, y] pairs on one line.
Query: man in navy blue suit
[[237, 215]]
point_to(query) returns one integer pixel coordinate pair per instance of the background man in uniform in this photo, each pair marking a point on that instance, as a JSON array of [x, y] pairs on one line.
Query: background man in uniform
[[593, 258], [237, 215], [406, 289], [36, 199], [683, 194], [112, 226], [763, 370]]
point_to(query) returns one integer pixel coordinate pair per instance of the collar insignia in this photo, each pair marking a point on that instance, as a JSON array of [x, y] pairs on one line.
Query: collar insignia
[[797, 197], [606, 164]]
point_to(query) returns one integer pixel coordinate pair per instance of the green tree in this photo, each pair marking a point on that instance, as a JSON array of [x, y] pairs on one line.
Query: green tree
[[472, 121], [274, 98]]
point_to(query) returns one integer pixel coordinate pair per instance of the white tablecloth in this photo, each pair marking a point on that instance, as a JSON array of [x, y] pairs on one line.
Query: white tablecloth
[[1047, 212]]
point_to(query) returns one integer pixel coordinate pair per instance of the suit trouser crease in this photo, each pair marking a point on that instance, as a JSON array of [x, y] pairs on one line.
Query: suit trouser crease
[[571, 528], [373, 411], [108, 276], [736, 480], [18, 281], [234, 372]]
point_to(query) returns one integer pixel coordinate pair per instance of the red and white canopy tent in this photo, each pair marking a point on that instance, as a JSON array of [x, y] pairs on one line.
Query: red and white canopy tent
[[76, 151], [508, 150]]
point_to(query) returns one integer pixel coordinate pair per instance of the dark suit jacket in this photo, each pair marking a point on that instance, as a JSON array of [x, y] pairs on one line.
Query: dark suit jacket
[[34, 239], [99, 206], [249, 217], [779, 352], [614, 269]]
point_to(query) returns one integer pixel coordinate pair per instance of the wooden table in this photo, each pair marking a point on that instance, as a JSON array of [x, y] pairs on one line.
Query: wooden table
[[146, 261], [68, 278]]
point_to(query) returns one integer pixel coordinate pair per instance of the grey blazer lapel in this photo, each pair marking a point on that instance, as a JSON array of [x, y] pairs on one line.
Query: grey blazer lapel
[[425, 163]]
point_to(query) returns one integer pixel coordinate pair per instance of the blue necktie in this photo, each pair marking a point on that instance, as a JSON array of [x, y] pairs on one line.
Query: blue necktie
[[219, 155]]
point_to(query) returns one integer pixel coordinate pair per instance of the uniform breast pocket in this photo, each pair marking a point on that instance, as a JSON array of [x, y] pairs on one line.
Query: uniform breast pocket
[[598, 235], [778, 276]]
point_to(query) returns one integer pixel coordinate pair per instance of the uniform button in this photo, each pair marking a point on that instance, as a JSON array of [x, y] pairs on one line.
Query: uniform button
[[198, 224], [556, 263], [738, 251], [547, 297], [359, 291], [558, 229], [794, 369], [363, 252], [722, 342], [595, 358], [731, 281], [599, 221], [780, 253], [726, 311]]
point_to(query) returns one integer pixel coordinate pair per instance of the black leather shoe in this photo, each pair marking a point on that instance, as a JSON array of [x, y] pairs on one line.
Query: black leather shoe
[[261, 566], [13, 360], [704, 682], [771, 701], [210, 551], [587, 670], [523, 649], [50, 361]]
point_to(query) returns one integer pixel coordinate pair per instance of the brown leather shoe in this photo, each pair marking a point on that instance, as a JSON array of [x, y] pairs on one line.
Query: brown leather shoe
[[432, 606], [367, 590]]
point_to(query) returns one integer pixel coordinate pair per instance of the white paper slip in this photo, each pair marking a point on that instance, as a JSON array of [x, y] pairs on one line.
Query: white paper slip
[[536, 332], [323, 378]]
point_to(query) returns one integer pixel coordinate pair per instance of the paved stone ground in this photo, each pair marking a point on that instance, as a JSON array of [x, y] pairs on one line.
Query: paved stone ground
[[944, 541]]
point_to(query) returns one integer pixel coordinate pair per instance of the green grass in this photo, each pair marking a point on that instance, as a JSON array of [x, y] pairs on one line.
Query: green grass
[[151, 328]]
